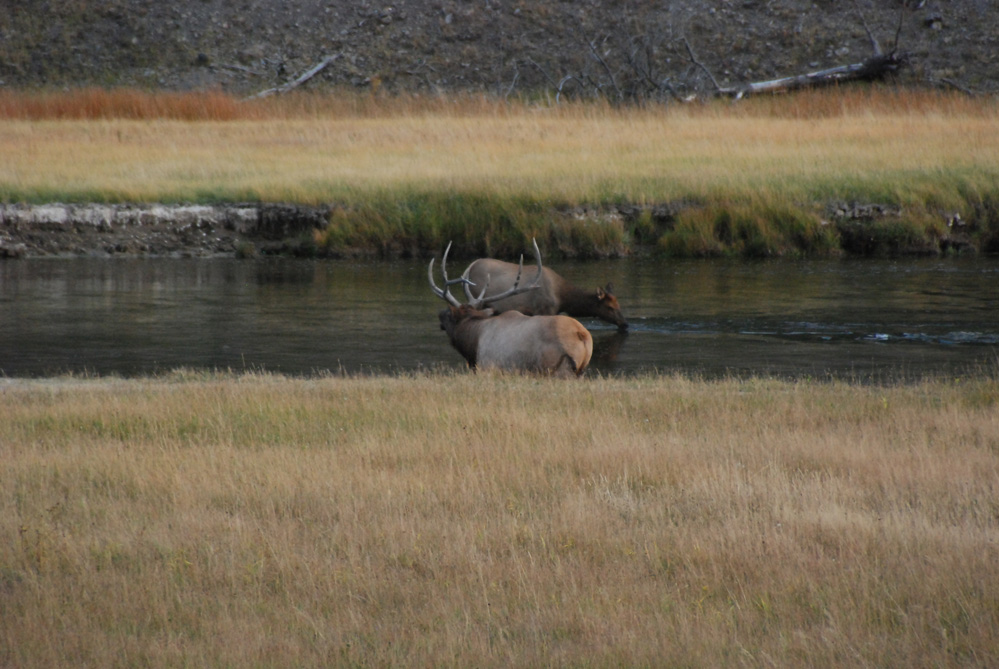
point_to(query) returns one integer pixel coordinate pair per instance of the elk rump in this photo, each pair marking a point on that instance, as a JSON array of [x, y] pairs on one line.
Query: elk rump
[[553, 345]]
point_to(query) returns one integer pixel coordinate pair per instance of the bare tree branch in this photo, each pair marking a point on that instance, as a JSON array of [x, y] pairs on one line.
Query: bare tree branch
[[870, 35], [566, 79], [610, 75], [513, 84], [543, 71], [693, 59], [898, 30], [645, 73]]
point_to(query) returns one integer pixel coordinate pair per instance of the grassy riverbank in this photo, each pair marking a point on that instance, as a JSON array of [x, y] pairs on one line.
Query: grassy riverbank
[[261, 520], [795, 175]]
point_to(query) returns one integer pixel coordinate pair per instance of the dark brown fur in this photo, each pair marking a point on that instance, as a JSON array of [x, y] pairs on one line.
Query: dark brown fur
[[555, 294]]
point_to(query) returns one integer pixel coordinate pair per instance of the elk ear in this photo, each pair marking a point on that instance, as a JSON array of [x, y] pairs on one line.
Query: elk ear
[[601, 294], [489, 311], [609, 288]]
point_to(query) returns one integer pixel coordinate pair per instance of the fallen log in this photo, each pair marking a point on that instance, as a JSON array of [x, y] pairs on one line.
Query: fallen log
[[305, 76], [874, 68]]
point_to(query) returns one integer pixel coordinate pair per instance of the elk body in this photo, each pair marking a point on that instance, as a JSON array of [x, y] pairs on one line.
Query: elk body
[[554, 294], [549, 344]]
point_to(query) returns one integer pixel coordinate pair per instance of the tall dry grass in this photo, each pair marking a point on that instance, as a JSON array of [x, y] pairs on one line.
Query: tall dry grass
[[99, 103], [910, 150], [216, 105], [481, 520]]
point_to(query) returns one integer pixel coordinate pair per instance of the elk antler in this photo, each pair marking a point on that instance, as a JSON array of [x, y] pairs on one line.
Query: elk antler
[[516, 289], [445, 293]]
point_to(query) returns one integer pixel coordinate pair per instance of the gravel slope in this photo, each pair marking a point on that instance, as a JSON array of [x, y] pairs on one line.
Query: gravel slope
[[624, 49]]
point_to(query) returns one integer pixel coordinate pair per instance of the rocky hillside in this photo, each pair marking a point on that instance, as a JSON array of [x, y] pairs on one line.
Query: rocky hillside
[[624, 49]]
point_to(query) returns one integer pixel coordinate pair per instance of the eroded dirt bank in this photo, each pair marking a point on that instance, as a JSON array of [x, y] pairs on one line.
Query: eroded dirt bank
[[156, 230]]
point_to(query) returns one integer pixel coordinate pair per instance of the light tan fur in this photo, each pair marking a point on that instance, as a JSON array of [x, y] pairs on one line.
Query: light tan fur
[[555, 345]]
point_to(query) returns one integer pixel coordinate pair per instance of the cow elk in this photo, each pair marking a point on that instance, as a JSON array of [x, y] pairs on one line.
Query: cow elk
[[554, 294], [548, 344]]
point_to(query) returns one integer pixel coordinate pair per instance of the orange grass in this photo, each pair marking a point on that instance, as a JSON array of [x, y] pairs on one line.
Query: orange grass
[[99, 103], [489, 520], [215, 105]]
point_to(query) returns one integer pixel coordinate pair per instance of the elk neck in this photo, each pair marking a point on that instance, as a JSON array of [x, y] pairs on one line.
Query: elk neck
[[575, 300]]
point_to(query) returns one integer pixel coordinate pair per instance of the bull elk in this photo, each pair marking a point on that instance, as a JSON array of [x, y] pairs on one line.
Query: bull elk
[[549, 344], [554, 295]]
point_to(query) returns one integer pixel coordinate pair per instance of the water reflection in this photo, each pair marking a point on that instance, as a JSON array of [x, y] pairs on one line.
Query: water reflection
[[816, 318]]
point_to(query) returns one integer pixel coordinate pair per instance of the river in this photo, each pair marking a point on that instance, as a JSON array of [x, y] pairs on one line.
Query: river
[[851, 319]]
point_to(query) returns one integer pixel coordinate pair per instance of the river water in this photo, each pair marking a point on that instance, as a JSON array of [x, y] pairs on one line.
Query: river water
[[853, 319]]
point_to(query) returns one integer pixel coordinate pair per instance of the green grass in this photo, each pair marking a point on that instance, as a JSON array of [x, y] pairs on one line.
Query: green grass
[[476, 224]]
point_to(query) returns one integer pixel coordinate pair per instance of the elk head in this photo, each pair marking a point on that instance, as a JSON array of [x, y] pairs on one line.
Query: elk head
[[607, 307]]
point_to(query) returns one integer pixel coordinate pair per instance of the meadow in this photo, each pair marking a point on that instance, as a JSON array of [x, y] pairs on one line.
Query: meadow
[[754, 178], [258, 520], [438, 518]]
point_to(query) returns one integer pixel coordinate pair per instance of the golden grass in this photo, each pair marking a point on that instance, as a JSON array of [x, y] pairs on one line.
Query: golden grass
[[904, 149], [490, 520]]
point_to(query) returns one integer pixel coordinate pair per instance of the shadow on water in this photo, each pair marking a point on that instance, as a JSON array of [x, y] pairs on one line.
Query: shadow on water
[[607, 348], [870, 319]]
